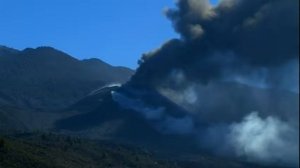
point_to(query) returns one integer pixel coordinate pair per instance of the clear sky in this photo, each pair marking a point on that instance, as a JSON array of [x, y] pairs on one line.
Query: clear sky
[[115, 31]]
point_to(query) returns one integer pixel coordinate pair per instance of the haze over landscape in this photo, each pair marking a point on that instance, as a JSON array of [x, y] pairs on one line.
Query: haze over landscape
[[193, 83]]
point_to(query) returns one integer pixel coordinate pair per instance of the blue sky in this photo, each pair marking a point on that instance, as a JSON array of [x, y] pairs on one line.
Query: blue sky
[[115, 31]]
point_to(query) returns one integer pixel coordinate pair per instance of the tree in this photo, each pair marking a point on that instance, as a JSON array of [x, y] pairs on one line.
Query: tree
[[2, 143]]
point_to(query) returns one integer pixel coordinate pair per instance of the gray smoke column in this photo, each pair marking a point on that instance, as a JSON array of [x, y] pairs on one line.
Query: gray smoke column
[[237, 36], [253, 42]]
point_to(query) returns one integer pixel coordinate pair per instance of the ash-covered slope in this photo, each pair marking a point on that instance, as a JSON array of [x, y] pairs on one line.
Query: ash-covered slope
[[102, 117], [147, 118], [45, 78]]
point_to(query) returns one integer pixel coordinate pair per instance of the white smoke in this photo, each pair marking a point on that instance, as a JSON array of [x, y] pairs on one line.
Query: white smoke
[[96, 91], [186, 97], [254, 139], [162, 121], [266, 140], [230, 131], [137, 105], [284, 77]]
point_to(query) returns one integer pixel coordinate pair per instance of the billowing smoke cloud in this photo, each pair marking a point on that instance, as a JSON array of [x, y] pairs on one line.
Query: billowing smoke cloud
[[220, 117], [232, 59], [266, 140], [236, 37]]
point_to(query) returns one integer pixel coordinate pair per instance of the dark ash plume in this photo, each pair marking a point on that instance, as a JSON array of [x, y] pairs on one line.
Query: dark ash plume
[[254, 42], [237, 35]]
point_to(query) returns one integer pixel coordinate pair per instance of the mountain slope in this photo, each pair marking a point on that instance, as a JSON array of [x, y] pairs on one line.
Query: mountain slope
[[102, 117], [45, 78]]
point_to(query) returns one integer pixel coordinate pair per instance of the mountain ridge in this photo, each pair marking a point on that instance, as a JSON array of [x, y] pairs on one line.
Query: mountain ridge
[[30, 75]]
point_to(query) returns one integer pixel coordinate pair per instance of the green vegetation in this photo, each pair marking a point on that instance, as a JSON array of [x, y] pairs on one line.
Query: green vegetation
[[46, 150], [52, 151]]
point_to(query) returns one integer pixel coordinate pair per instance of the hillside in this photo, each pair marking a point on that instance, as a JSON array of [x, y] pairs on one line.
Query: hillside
[[53, 151], [48, 79]]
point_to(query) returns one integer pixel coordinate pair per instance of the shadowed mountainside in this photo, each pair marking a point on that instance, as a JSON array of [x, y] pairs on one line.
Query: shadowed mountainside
[[45, 78]]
